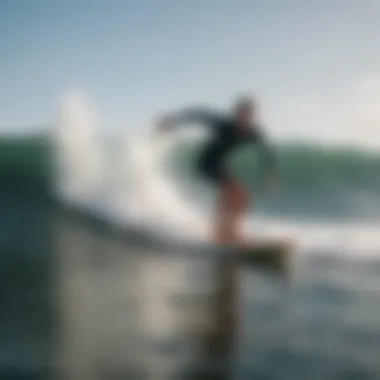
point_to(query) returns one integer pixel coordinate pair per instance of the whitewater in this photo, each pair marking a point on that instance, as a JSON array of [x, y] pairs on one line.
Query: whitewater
[[140, 192]]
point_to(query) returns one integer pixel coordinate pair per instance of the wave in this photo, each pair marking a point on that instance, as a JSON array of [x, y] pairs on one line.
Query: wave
[[330, 197], [305, 169]]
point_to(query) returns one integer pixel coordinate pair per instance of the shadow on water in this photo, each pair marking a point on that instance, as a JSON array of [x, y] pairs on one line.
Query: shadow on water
[[81, 302]]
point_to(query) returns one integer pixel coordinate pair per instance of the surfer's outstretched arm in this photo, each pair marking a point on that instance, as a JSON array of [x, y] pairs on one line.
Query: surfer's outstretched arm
[[189, 116]]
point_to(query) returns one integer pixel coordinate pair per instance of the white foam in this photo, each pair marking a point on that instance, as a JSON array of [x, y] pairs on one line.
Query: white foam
[[152, 196], [80, 166]]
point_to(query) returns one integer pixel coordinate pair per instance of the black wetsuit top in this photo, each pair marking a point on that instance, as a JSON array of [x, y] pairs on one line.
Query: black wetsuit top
[[226, 136]]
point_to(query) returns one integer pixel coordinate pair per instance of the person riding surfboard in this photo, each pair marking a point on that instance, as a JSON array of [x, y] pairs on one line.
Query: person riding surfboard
[[228, 133]]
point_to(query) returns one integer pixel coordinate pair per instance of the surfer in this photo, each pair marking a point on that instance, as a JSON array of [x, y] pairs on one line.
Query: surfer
[[228, 132]]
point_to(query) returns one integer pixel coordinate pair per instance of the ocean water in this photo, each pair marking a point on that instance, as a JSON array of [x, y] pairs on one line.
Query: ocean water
[[82, 301]]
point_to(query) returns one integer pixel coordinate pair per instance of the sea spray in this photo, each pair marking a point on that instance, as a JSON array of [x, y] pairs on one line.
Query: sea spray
[[154, 193], [79, 158]]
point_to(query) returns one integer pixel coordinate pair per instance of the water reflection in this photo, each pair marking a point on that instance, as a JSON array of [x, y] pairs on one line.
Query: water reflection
[[130, 312]]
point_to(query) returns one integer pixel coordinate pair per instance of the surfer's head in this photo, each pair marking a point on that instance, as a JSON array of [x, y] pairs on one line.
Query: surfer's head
[[244, 109]]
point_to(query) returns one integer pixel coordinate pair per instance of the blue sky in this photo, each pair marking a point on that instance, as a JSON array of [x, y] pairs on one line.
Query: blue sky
[[315, 65]]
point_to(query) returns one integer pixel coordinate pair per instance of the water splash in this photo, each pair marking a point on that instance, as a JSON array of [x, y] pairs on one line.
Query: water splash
[[79, 161], [152, 195], [144, 196]]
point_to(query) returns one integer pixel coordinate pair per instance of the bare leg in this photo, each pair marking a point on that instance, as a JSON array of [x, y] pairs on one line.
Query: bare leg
[[239, 204], [231, 210], [222, 218]]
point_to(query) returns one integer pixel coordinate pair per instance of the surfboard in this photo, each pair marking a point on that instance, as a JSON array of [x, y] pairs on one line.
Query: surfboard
[[268, 253]]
